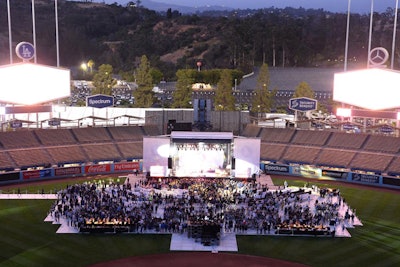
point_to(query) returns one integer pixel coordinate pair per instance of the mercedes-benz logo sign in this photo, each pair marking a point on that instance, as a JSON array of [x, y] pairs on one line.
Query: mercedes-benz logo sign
[[378, 56]]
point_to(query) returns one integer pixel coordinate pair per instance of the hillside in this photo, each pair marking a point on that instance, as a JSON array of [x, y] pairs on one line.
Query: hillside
[[119, 35]]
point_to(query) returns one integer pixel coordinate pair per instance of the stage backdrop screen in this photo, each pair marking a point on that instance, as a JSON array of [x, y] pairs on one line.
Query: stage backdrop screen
[[155, 155], [247, 156]]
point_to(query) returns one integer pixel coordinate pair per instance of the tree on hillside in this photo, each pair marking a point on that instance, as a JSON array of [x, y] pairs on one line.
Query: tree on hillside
[[224, 100], [304, 90], [262, 100], [183, 91], [144, 95], [103, 80]]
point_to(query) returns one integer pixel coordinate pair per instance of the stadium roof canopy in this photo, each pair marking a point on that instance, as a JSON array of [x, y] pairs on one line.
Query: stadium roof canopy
[[28, 84], [374, 89]]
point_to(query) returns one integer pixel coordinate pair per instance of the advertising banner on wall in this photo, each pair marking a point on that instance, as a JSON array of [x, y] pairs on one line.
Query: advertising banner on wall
[[36, 174], [307, 171], [276, 168], [126, 166], [99, 168], [335, 174], [9, 176], [365, 178], [68, 171], [391, 181]]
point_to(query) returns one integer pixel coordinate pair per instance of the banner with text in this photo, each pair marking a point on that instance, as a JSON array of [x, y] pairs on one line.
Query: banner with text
[[334, 174], [276, 168], [100, 168], [68, 171], [126, 166], [36, 174], [365, 178]]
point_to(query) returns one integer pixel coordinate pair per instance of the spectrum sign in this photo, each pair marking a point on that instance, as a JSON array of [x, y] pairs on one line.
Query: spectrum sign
[[99, 101]]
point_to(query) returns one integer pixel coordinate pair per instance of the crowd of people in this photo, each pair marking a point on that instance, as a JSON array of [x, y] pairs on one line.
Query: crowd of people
[[172, 205]]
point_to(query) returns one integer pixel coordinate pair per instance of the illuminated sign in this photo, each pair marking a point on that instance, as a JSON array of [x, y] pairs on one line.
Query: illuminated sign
[[303, 104], [29, 84], [373, 89], [99, 101], [25, 51]]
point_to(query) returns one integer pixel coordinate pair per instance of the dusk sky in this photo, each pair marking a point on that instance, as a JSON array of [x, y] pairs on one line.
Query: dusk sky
[[359, 6]]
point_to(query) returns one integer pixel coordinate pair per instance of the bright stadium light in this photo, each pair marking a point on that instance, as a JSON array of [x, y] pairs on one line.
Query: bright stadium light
[[374, 89], [343, 112], [28, 84]]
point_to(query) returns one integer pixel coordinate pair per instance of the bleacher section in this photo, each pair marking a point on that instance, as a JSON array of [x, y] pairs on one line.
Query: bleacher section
[[371, 162], [131, 150], [102, 152], [67, 154], [40, 148], [151, 130], [31, 157], [383, 144], [55, 137], [313, 138], [301, 154], [251, 130], [126, 133], [362, 152], [272, 152], [18, 139], [346, 140], [394, 166], [5, 160], [92, 135], [335, 157], [276, 135]]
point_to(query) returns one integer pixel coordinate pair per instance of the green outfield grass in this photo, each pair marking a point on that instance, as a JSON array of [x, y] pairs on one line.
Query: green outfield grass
[[26, 240]]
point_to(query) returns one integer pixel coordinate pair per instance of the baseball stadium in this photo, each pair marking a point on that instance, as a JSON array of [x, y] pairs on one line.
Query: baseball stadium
[[106, 186], [98, 193]]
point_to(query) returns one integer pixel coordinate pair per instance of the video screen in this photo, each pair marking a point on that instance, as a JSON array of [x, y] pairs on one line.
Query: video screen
[[201, 160]]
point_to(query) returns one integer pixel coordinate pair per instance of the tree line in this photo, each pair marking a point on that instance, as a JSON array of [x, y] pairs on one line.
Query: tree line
[[119, 35]]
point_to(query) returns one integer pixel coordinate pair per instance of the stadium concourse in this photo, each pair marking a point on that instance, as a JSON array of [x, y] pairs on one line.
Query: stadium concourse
[[182, 241]]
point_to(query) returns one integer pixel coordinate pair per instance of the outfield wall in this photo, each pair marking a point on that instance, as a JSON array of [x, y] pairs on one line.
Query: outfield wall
[[131, 167], [75, 171], [329, 174]]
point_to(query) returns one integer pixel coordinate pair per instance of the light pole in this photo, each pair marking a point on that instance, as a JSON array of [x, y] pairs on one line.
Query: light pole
[[394, 33]]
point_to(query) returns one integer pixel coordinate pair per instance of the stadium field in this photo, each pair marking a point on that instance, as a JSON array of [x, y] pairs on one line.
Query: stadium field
[[26, 240]]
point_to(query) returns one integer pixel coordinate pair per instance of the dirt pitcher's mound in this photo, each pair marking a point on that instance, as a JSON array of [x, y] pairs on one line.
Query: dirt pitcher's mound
[[198, 259]]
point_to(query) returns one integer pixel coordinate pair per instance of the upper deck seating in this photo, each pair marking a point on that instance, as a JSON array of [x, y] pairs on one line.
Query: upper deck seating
[[383, 143], [151, 130], [92, 134], [276, 135], [307, 137], [125, 133], [346, 140], [251, 130], [19, 139], [51, 137]]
